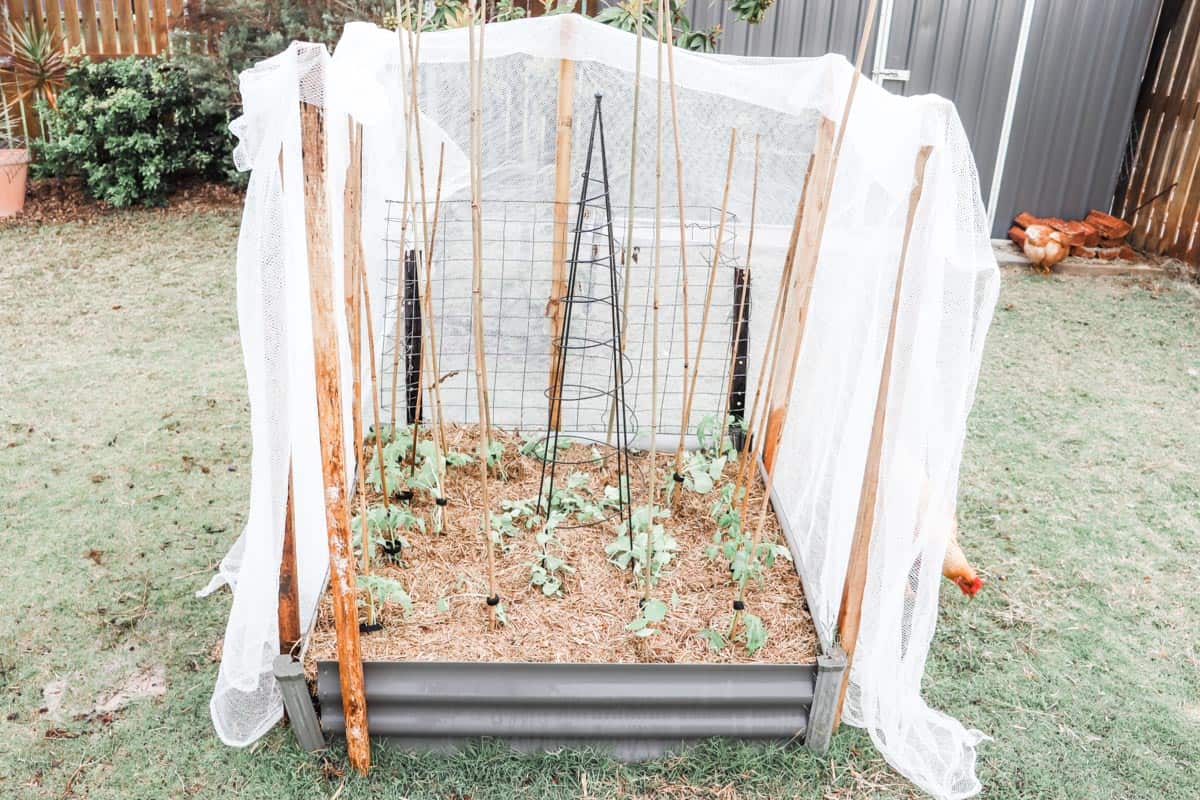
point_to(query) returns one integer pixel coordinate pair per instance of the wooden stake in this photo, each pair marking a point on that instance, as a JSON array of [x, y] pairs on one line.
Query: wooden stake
[[329, 419], [770, 366], [627, 254], [477, 307], [690, 390], [808, 229], [652, 475], [850, 612], [669, 36], [353, 284], [430, 353], [289, 584], [741, 310], [562, 206]]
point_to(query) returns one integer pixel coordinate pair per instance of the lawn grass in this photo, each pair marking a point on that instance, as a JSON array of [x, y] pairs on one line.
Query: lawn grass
[[124, 458]]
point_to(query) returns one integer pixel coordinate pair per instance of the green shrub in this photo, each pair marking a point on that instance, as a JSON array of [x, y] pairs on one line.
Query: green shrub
[[134, 128]]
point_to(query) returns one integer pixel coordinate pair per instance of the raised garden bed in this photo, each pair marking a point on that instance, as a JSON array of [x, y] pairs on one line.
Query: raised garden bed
[[564, 668]]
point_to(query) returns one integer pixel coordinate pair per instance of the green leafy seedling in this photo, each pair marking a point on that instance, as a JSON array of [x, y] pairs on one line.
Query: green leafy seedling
[[652, 612]]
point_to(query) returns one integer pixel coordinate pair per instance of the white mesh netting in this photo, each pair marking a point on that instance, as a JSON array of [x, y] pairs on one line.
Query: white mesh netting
[[948, 296]]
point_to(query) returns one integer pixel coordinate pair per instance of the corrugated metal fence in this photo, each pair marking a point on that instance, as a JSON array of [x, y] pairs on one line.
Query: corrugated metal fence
[[1081, 73], [1162, 196]]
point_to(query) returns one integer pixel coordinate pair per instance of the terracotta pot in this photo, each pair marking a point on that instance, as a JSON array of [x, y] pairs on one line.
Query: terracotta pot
[[14, 168]]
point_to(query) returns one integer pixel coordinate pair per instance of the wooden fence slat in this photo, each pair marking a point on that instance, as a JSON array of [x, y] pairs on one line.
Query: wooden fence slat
[[1167, 152], [109, 43], [71, 15], [1168, 134], [53, 16], [141, 25], [91, 32], [125, 28], [1168, 163], [1155, 109], [177, 12], [161, 26]]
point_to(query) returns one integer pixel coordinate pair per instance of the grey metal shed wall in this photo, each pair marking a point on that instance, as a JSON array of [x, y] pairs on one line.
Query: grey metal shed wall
[[1074, 113], [1080, 80]]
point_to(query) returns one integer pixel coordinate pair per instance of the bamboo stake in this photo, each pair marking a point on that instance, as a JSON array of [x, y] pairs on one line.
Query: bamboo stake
[[477, 306], [352, 286], [652, 478], [808, 229], [633, 148], [562, 207], [329, 419], [683, 286], [690, 390], [414, 51], [431, 352], [770, 363], [741, 311], [850, 611]]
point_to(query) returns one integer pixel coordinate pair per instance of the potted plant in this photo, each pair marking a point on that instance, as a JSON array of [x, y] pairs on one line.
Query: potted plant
[[34, 64], [14, 169]]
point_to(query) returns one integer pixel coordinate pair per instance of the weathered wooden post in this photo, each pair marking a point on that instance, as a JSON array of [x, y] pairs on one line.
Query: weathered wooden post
[[317, 223], [850, 612]]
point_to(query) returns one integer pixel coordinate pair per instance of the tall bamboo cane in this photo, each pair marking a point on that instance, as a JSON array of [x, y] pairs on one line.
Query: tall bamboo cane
[[477, 301], [690, 392]]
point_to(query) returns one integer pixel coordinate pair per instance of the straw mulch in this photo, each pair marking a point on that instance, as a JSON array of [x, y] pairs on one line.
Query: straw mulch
[[586, 624]]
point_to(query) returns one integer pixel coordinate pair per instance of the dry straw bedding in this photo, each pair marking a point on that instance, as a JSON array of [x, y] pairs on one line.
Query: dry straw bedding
[[587, 623]]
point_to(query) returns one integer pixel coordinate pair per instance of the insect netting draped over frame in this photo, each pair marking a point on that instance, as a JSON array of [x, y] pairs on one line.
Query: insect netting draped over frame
[[948, 295]]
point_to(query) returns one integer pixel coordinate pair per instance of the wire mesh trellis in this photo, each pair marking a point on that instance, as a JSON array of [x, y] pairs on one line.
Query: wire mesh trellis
[[520, 239]]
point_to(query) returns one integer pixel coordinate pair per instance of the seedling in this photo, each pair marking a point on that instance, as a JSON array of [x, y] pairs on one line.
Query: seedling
[[709, 428], [534, 445], [502, 529], [662, 545], [495, 459], [457, 459], [548, 573], [651, 612], [376, 590], [384, 526]]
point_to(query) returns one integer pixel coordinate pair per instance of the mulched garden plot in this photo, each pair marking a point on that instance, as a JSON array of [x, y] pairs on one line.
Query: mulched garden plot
[[445, 575]]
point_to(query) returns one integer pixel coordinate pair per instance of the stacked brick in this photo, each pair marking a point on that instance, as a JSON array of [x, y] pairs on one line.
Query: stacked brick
[[1096, 236]]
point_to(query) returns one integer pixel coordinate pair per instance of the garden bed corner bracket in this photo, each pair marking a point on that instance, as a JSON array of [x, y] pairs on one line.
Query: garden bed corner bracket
[[822, 716]]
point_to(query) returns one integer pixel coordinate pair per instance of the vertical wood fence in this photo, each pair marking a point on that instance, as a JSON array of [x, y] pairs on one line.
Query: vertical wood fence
[[101, 27], [96, 28], [1161, 199]]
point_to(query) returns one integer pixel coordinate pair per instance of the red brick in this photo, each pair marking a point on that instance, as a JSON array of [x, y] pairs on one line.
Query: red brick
[[1110, 227], [1079, 251], [1128, 253], [1091, 236], [1108, 253]]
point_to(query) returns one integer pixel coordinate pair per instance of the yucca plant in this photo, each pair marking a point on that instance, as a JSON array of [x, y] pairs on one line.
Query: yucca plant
[[37, 61]]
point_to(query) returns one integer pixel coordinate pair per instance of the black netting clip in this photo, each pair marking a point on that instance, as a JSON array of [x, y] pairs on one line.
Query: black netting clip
[[406, 496], [494, 600], [374, 626], [738, 605], [678, 478], [441, 501]]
